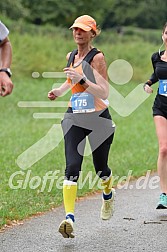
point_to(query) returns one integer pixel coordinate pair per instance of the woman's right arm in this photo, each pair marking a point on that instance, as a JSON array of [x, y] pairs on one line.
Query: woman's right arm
[[153, 79], [56, 92]]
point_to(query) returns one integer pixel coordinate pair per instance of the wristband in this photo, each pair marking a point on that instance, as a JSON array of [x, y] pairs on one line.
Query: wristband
[[149, 83], [82, 81], [7, 71]]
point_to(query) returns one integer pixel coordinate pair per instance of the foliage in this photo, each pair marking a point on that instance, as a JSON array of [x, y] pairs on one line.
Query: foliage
[[14, 9], [145, 14], [108, 13]]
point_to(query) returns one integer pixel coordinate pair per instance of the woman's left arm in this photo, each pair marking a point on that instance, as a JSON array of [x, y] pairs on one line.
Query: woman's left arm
[[101, 88]]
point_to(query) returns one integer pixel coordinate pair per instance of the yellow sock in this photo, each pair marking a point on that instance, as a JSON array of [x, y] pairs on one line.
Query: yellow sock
[[107, 185], [69, 196]]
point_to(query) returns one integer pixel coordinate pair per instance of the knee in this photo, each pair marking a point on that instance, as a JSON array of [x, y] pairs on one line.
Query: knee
[[103, 174], [72, 172], [163, 150]]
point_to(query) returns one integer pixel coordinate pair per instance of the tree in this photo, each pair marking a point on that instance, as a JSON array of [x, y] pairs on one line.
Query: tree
[[64, 12], [13, 9], [143, 13], [108, 13]]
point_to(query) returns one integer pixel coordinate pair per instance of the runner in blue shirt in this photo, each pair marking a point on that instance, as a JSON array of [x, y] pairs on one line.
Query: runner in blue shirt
[[159, 62]]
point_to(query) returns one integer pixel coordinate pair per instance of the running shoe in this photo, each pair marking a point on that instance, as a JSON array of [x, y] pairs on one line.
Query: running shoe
[[162, 204], [107, 208], [66, 228]]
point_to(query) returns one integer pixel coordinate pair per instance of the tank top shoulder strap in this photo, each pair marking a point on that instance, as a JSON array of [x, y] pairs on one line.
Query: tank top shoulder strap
[[72, 56], [89, 57], [86, 64]]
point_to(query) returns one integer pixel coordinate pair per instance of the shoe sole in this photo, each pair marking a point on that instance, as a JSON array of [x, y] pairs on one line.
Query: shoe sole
[[107, 218], [66, 229], [160, 206]]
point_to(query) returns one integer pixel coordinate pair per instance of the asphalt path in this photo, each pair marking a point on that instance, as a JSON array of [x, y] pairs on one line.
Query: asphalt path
[[135, 226]]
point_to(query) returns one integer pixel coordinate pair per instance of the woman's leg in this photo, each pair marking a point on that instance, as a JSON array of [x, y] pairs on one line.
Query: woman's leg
[[161, 130], [100, 160], [73, 167]]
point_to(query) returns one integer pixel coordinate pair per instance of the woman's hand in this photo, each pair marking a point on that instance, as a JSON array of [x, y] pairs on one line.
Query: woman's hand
[[147, 89], [73, 75], [53, 94], [6, 85]]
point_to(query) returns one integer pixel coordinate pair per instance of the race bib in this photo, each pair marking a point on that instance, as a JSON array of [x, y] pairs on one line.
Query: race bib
[[82, 102], [163, 87]]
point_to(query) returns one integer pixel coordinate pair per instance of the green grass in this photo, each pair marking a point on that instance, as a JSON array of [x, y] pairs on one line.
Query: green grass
[[134, 147]]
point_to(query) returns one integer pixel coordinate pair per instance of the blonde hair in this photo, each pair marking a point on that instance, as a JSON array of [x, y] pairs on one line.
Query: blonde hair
[[97, 32]]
